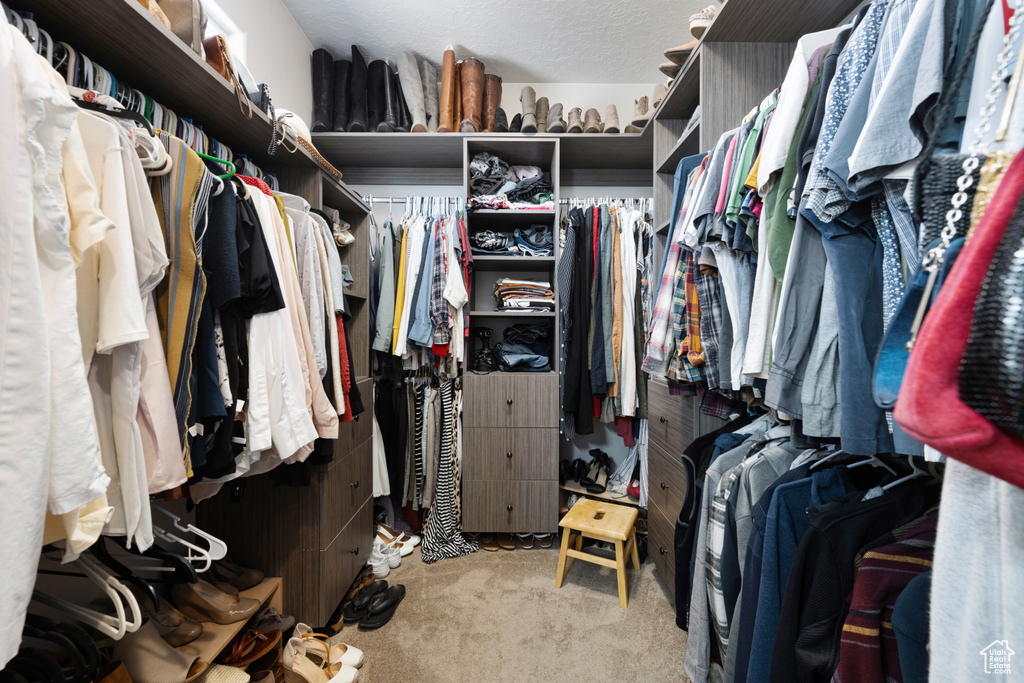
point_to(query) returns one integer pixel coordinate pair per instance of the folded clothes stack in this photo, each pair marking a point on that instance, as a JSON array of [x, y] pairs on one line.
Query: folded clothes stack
[[537, 240], [495, 184], [525, 348], [524, 295]]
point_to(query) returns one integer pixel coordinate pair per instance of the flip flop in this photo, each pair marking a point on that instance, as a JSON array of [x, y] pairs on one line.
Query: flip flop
[[526, 540], [545, 540], [383, 608], [357, 609], [487, 542], [507, 541]]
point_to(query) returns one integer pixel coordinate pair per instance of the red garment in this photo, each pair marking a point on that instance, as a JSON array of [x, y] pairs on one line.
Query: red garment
[[624, 427], [257, 183], [346, 371], [929, 406]]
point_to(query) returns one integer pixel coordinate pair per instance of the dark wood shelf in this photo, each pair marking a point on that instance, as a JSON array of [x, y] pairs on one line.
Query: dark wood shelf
[[689, 143], [511, 260], [512, 314], [683, 96], [663, 227], [506, 219], [575, 487], [775, 21], [342, 197]]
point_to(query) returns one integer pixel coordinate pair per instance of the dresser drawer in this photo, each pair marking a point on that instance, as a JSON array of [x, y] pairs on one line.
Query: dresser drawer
[[512, 507], [661, 545], [670, 418], [666, 481], [511, 400], [357, 431], [341, 561], [510, 454], [344, 486]]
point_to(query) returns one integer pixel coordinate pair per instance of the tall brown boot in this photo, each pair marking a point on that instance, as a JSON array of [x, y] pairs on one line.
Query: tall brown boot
[[447, 104], [492, 100], [457, 109], [472, 95]]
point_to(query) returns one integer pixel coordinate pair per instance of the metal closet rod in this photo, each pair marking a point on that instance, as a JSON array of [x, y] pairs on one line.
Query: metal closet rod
[[404, 200]]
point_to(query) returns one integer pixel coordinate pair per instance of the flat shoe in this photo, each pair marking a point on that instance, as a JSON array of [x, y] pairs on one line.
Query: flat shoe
[[356, 609], [545, 540], [383, 608], [488, 543], [249, 646], [670, 69], [680, 54], [507, 541], [526, 540]]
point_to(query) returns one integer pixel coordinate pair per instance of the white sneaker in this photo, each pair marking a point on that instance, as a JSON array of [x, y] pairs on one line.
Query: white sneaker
[[393, 555], [379, 562]]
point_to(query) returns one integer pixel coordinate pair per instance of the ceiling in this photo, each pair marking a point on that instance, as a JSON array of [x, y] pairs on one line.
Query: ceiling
[[523, 41]]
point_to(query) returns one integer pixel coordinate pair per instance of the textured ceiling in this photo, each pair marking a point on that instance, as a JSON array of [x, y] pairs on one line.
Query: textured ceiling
[[526, 41]]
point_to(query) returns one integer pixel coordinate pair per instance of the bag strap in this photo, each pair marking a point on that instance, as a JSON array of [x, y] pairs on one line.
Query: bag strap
[[240, 94]]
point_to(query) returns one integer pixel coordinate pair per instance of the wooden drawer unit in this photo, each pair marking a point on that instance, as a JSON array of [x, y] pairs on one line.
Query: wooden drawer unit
[[510, 454], [670, 418], [358, 431], [511, 400], [341, 561], [661, 545], [512, 507], [666, 481], [345, 486]]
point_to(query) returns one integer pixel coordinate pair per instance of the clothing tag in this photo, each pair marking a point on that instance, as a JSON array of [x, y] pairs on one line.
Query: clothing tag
[[873, 493], [196, 429]]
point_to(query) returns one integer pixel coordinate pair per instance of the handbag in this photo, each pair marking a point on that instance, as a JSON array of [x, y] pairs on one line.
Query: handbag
[[188, 21], [219, 57]]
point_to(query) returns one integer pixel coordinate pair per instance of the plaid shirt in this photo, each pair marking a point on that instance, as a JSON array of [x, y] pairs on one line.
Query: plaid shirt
[[680, 368], [439, 314], [710, 300], [692, 346], [659, 338]]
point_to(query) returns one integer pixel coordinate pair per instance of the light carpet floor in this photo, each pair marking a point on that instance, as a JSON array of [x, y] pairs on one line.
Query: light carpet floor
[[496, 616]]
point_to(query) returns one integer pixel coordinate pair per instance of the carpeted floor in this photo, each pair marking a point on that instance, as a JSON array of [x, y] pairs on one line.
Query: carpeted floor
[[496, 616]]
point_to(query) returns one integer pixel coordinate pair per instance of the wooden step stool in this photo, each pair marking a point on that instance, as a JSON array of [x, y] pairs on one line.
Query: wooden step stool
[[601, 521]]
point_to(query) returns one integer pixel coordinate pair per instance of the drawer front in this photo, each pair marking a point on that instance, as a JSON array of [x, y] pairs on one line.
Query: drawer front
[[670, 418], [344, 486], [510, 454], [357, 431], [512, 400], [511, 507], [536, 400], [661, 546], [342, 560], [666, 481]]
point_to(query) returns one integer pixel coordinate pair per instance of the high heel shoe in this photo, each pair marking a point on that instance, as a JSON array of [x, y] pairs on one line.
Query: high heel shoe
[[241, 578], [298, 668], [595, 467], [317, 646], [599, 479], [202, 602]]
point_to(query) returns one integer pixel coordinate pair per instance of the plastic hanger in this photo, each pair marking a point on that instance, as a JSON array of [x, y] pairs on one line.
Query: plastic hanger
[[218, 548], [118, 113], [232, 170], [874, 461], [199, 557], [183, 570], [102, 553], [915, 473], [113, 626]]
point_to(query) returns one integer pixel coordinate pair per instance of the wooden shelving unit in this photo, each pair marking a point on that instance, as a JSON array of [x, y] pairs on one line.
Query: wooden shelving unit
[[216, 637], [573, 487], [512, 314], [689, 144]]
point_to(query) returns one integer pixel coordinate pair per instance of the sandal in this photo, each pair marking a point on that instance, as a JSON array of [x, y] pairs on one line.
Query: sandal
[[383, 608], [317, 645], [507, 541], [356, 609], [545, 540], [298, 668], [488, 543], [526, 540], [248, 646]]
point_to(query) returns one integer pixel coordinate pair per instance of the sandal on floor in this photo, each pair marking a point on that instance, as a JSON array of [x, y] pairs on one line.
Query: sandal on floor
[[507, 541], [545, 540], [317, 645], [356, 609], [487, 542], [526, 540], [383, 608], [298, 668]]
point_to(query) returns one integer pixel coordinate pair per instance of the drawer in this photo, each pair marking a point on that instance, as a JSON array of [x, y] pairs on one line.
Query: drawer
[[510, 454], [354, 433], [661, 545], [341, 561], [670, 418], [512, 507], [666, 481], [344, 486], [511, 400]]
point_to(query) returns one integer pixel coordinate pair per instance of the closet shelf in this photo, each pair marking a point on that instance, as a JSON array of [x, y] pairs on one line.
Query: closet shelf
[[512, 314], [444, 150], [663, 227], [342, 197], [217, 636], [689, 144], [684, 94], [506, 219], [573, 487], [775, 21], [513, 260]]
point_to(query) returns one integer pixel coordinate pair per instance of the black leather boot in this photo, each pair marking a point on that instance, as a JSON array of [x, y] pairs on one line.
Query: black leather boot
[[357, 93], [403, 117], [342, 96], [379, 94], [323, 90]]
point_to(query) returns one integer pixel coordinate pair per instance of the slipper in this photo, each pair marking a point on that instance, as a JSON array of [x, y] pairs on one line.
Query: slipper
[[248, 646], [545, 540], [487, 542], [507, 541], [356, 609], [526, 540], [383, 608]]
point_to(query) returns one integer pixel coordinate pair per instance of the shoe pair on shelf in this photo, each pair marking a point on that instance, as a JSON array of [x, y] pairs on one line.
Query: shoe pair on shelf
[[203, 601], [601, 466], [677, 56], [494, 542]]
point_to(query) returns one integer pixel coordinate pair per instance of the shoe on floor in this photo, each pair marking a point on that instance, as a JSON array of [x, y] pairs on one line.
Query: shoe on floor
[[299, 668], [379, 561], [488, 543], [699, 22], [681, 53], [393, 554], [402, 536], [545, 540], [526, 540], [316, 648], [382, 608], [507, 541], [356, 608]]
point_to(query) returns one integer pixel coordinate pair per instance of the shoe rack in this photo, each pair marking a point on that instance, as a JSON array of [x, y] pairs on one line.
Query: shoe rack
[[742, 56]]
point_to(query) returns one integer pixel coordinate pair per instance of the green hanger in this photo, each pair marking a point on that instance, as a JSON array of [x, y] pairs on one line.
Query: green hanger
[[232, 170]]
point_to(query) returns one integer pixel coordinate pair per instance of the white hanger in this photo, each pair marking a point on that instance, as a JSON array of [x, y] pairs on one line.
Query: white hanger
[[874, 461], [201, 555], [115, 627], [915, 473], [218, 548]]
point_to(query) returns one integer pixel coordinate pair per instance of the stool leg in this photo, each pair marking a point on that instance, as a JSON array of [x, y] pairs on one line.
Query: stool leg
[[562, 557], [635, 554], [620, 569], [579, 543]]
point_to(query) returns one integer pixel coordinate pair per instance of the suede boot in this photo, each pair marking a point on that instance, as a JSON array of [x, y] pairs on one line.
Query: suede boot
[[381, 97], [412, 91], [492, 100], [447, 102], [640, 113], [500, 121], [528, 98], [342, 96], [575, 123], [357, 93], [403, 118], [611, 119], [472, 95], [429, 74], [592, 122], [516, 126], [323, 90], [555, 122], [660, 91], [542, 114]]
